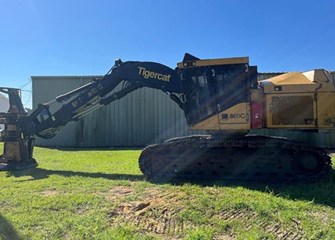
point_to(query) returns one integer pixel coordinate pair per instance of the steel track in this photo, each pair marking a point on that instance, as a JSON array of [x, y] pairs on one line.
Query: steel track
[[250, 157]]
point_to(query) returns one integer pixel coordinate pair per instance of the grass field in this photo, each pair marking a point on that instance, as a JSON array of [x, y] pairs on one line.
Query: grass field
[[101, 194]]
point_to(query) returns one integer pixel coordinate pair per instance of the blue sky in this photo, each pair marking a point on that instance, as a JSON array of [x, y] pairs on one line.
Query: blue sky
[[72, 37]]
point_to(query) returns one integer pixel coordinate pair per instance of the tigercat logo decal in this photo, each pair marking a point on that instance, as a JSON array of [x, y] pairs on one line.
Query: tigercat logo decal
[[148, 74]]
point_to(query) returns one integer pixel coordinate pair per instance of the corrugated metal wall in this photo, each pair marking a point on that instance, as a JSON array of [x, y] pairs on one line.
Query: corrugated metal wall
[[143, 117], [4, 106], [4, 103]]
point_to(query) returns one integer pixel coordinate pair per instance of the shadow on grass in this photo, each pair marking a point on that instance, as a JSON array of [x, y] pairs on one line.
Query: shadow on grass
[[40, 173], [83, 149], [7, 231], [322, 192]]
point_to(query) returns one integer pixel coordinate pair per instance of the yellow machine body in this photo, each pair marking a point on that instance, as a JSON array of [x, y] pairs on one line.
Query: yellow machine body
[[294, 100], [300, 100]]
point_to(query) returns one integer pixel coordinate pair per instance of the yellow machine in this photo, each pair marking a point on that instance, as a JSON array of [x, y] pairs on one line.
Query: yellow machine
[[222, 96], [300, 100], [291, 100]]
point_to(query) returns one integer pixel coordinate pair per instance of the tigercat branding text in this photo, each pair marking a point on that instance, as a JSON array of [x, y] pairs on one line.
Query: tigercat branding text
[[148, 74]]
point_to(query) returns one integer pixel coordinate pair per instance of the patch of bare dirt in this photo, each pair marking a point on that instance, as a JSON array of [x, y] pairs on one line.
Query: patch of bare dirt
[[250, 219], [50, 193], [119, 192], [157, 212], [224, 237], [324, 218]]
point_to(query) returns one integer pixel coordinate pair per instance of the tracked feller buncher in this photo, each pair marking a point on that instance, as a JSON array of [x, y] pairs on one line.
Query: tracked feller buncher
[[222, 96]]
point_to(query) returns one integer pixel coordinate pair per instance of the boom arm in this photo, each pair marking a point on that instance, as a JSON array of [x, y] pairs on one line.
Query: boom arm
[[126, 76], [220, 95], [203, 89]]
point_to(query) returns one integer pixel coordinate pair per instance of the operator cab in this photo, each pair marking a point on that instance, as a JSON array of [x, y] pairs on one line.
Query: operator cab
[[212, 86]]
